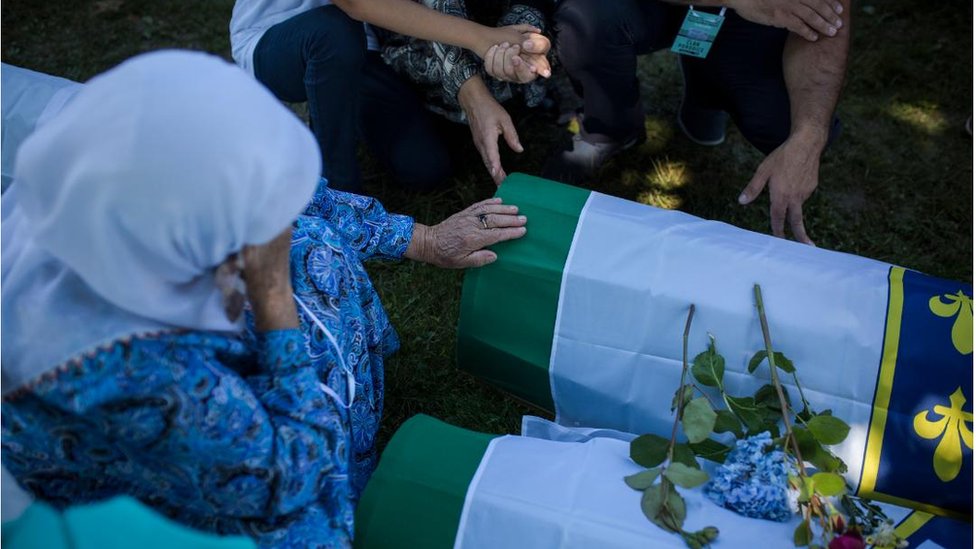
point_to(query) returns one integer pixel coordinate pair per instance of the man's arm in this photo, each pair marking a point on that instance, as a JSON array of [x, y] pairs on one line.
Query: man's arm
[[814, 74], [810, 19]]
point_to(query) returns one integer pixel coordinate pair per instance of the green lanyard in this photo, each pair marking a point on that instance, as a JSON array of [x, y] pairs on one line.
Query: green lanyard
[[697, 33]]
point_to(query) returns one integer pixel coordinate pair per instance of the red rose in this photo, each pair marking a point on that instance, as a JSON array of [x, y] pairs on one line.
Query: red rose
[[850, 540]]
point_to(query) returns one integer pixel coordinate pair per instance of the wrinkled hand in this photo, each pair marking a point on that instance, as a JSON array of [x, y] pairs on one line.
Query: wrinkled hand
[[267, 273], [792, 172], [520, 62], [487, 120], [459, 241], [807, 18]]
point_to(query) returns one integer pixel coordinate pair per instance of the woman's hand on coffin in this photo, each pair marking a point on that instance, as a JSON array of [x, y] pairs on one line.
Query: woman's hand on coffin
[[459, 241], [267, 274]]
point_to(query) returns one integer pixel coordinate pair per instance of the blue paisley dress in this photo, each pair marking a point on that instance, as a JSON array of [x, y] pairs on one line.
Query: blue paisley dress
[[269, 434]]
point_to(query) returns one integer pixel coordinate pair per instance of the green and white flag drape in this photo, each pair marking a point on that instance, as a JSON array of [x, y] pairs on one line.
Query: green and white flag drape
[[584, 316], [439, 486]]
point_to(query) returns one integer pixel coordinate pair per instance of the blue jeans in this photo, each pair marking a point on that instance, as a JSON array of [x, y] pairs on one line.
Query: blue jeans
[[320, 56]]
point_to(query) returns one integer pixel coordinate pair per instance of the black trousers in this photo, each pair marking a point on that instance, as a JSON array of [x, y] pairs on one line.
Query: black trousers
[[320, 56], [598, 42]]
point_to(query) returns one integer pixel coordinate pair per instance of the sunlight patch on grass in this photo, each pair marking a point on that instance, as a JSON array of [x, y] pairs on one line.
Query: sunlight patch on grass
[[661, 183], [924, 117], [664, 175], [661, 199], [668, 174], [659, 134]]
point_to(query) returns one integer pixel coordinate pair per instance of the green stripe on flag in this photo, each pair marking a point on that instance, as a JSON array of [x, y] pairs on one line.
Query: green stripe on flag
[[508, 308], [416, 495]]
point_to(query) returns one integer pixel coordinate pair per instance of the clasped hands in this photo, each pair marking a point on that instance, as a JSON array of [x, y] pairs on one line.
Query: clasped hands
[[515, 53]]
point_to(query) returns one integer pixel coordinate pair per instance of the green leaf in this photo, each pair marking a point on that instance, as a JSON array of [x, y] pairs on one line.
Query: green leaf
[[756, 360], [643, 480], [805, 414], [666, 510], [816, 454], [698, 419], [709, 366], [766, 397], [782, 362], [802, 536], [806, 490], [684, 401], [651, 504], [746, 410], [828, 429], [804, 440], [648, 450], [684, 476], [726, 422], [710, 450], [829, 484], [684, 454], [676, 504]]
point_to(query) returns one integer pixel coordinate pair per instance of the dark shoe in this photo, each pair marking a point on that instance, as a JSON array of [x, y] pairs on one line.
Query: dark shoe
[[703, 126], [582, 159]]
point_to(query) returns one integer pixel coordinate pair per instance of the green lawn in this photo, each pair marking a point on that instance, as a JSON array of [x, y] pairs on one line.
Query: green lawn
[[897, 186]]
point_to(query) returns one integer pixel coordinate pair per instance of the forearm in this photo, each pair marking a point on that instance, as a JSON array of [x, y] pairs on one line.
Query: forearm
[[412, 19], [814, 74], [361, 222]]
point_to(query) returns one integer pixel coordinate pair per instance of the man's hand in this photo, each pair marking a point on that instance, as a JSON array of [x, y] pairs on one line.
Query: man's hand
[[487, 120], [459, 241], [520, 63], [792, 172], [807, 18]]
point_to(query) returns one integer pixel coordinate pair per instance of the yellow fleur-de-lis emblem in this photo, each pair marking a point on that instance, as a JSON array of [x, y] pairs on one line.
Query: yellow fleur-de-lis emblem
[[961, 305], [952, 427]]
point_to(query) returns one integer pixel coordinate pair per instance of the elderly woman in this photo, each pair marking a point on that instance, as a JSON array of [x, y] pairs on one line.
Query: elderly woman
[[186, 318]]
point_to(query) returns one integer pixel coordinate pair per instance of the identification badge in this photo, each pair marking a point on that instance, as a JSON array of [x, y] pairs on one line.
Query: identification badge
[[697, 33]]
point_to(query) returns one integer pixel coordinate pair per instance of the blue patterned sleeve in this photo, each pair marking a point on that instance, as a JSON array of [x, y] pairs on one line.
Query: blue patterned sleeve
[[257, 447], [362, 223]]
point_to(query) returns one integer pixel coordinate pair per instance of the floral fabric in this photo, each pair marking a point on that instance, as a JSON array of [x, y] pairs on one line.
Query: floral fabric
[[252, 434]]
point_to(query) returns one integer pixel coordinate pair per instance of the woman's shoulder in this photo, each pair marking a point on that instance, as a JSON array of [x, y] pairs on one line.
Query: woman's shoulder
[[141, 358]]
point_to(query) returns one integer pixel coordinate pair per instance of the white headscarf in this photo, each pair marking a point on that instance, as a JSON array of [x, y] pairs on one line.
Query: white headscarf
[[29, 99], [126, 201]]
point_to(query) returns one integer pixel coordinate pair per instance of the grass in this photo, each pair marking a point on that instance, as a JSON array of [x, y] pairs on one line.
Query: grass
[[897, 186]]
